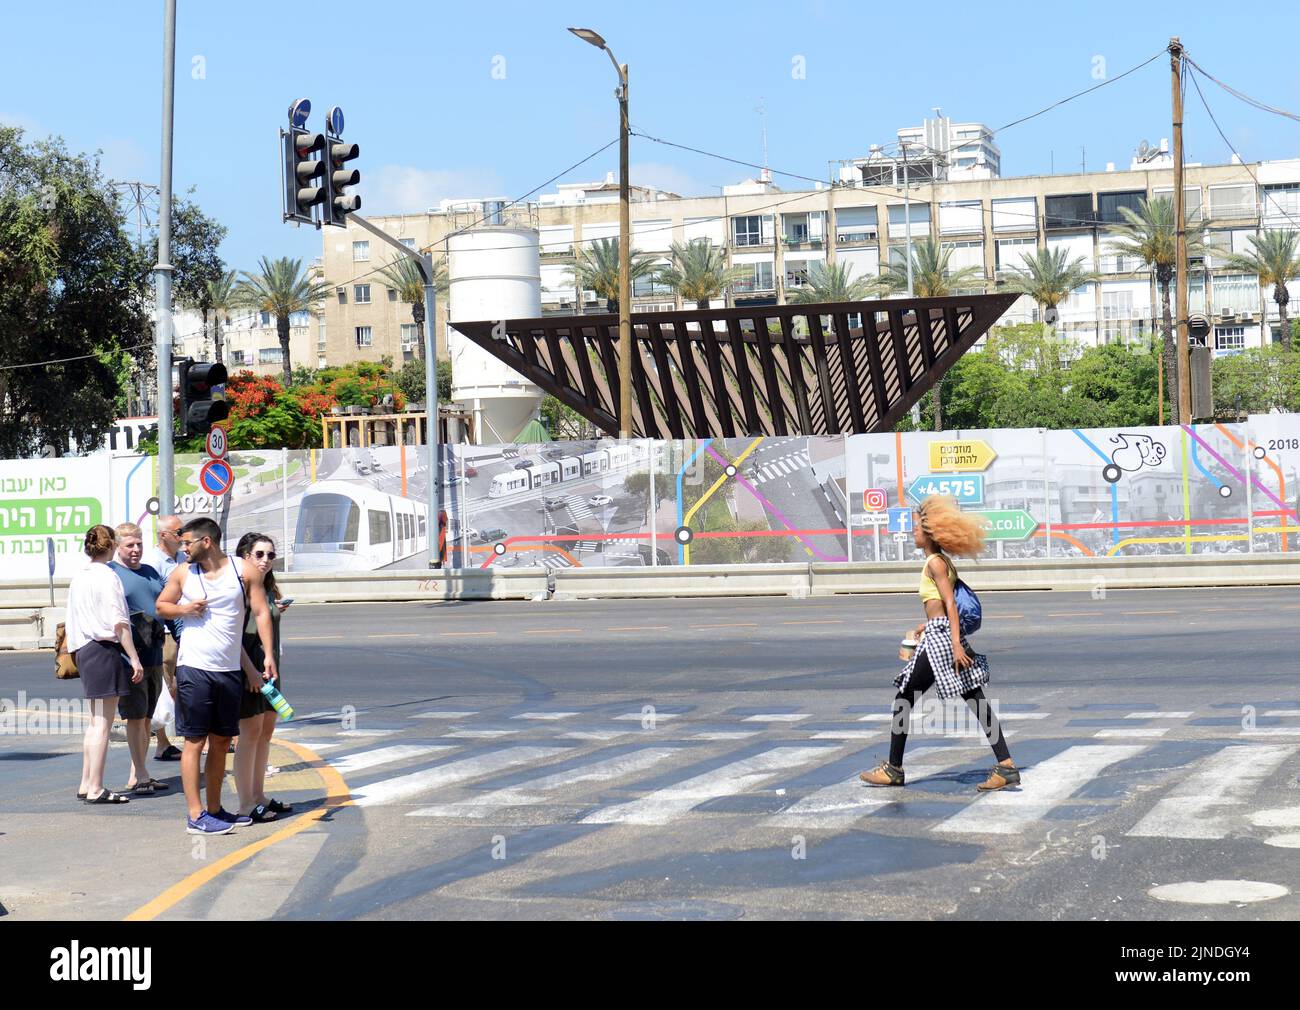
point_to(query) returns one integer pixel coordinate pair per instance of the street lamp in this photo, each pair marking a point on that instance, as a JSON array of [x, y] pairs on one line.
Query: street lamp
[[624, 244]]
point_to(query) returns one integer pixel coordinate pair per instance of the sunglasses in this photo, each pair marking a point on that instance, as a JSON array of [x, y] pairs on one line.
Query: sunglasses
[[268, 555], [187, 543]]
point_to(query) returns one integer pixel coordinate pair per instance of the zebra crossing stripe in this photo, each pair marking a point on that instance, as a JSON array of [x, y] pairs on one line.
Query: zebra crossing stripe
[[839, 805], [666, 805], [529, 793], [1199, 806], [347, 764], [1159, 715], [399, 788], [1046, 785], [444, 714]]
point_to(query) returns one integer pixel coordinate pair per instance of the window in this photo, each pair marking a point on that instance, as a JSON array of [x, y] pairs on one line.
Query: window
[[1233, 201], [410, 335], [266, 319], [798, 272], [1110, 204], [1281, 201], [381, 528], [1234, 293], [856, 224], [761, 280], [1011, 252], [917, 213], [392, 294], [1068, 211], [361, 293], [327, 522], [270, 356], [960, 217], [1191, 199], [650, 286], [1230, 338], [343, 295], [747, 230], [363, 336], [360, 252], [408, 242], [1019, 214]]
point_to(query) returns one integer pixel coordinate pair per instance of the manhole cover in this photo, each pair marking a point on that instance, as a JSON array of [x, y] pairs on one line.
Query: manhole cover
[[712, 911], [1218, 892]]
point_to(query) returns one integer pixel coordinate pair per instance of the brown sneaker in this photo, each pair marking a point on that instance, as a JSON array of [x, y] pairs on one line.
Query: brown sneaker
[[885, 775], [1000, 777]]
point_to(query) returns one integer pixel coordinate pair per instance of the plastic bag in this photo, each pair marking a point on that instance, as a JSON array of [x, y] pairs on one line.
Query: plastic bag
[[164, 713]]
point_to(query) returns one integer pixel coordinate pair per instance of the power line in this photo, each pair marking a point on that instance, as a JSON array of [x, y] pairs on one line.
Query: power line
[[1264, 107]]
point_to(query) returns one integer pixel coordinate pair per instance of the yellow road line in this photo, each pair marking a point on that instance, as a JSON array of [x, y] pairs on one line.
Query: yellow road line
[[553, 631], [336, 796], [466, 634], [411, 634], [650, 627], [724, 625]]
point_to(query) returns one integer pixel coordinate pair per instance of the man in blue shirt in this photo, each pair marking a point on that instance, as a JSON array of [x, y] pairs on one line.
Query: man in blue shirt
[[142, 584], [162, 559]]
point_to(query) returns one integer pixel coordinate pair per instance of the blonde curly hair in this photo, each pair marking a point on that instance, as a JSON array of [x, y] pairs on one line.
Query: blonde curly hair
[[955, 532]]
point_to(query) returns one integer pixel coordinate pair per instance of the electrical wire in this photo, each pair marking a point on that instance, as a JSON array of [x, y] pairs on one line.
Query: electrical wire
[[1262, 106]]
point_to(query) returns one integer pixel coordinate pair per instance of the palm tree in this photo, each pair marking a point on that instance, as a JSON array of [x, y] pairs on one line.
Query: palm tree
[[597, 270], [832, 282], [699, 272], [1274, 257], [219, 300], [1151, 236], [404, 277], [931, 275], [1047, 277], [282, 288], [931, 278]]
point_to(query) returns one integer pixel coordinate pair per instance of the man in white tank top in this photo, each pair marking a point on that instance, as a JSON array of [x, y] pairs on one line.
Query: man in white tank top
[[211, 665]]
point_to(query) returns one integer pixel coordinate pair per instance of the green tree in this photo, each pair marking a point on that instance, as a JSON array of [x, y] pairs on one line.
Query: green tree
[[410, 379], [1047, 277], [831, 282], [1256, 381], [597, 269], [1275, 258], [1150, 235], [196, 265], [72, 292], [281, 288], [699, 272], [562, 421], [403, 276]]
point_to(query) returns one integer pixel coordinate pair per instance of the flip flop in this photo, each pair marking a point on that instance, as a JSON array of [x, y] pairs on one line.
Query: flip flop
[[159, 786], [261, 814], [81, 796], [172, 753], [107, 796], [276, 807]]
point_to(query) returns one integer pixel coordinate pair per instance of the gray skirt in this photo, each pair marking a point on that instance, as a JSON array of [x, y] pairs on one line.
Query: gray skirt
[[105, 670]]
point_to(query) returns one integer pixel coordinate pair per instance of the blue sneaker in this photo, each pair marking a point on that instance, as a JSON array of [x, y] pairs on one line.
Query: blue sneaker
[[235, 820], [206, 824]]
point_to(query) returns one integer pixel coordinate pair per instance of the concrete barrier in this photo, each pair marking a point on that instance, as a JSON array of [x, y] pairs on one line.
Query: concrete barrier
[[669, 580], [394, 586]]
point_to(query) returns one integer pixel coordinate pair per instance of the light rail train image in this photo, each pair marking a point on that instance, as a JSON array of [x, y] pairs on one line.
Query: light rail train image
[[565, 469], [343, 526]]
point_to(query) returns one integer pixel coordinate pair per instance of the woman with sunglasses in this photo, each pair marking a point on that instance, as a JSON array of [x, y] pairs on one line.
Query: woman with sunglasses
[[256, 716]]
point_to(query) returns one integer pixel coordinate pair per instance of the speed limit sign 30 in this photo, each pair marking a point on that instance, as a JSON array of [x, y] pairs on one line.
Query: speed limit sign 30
[[215, 446]]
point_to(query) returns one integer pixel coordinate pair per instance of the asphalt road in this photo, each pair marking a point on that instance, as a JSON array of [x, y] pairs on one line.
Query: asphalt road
[[698, 758]]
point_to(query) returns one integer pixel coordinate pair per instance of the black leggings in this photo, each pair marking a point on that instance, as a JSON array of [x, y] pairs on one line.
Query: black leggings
[[922, 678]]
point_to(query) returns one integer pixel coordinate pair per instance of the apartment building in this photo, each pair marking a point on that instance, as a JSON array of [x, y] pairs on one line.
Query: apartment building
[[249, 341], [779, 237]]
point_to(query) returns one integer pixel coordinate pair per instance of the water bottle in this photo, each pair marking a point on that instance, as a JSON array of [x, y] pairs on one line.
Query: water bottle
[[277, 701]]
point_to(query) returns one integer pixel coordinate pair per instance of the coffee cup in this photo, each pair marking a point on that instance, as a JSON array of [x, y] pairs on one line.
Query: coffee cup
[[907, 649]]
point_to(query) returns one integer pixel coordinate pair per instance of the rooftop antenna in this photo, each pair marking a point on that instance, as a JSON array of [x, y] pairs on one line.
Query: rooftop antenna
[[761, 109]]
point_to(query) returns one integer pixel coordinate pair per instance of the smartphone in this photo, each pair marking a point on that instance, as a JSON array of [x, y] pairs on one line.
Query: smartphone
[[285, 602]]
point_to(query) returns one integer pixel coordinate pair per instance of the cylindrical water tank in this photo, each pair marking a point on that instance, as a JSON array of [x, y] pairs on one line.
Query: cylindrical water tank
[[494, 273]]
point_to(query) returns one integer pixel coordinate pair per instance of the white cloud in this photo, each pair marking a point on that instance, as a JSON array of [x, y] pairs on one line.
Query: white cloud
[[404, 189], [32, 129], [669, 177]]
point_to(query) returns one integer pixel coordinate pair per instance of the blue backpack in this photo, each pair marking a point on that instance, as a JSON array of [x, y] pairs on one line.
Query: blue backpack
[[969, 612]]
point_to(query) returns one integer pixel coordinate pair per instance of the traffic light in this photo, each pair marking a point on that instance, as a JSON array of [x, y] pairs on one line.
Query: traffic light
[[338, 177], [199, 411], [304, 170]]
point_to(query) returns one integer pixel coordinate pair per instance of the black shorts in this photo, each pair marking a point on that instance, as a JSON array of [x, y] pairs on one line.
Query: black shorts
[[253, 703], [143, 698], [207, 702], [105, 671]]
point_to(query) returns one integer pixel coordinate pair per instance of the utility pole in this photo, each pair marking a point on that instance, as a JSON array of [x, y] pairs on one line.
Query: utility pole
[[624, 265], [163, 274], [1183, 366]]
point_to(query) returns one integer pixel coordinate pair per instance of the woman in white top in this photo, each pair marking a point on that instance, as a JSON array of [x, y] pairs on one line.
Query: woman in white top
[[99, 636]]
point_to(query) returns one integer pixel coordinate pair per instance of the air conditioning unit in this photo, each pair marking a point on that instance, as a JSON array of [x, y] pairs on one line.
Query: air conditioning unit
[[1248, 317], [1226, 313]]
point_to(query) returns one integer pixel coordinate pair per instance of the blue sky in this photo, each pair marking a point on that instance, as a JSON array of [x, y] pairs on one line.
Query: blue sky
[[453, 100]]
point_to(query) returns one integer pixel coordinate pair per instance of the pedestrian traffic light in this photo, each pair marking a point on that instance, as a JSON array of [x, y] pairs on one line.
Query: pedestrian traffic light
[[304, 168], [199, 410], [338, 177]]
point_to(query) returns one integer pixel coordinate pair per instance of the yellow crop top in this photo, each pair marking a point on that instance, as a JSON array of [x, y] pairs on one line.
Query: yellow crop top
[[929, 591]]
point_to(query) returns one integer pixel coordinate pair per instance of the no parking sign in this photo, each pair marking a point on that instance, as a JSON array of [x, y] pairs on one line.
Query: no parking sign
[[216, 477]]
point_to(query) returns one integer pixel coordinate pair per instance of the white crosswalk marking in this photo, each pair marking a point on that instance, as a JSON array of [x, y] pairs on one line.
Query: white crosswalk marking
[[346, 764], [481, 734], [1159, 715], [1131, 732], [428, 779], [367, 733], [444, 714], [667, 804], [528, 793], [544, 716], [1200, 806], [839, 805], [777, 717], [1046, 785]]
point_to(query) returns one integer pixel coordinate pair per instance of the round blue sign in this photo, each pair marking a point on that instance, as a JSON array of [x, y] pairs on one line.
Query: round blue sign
[[299, 111], [216, 477], [335, 119]]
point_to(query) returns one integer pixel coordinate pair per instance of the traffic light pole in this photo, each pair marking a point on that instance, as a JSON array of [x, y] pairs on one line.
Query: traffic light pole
[[425, 264], [163, 271]]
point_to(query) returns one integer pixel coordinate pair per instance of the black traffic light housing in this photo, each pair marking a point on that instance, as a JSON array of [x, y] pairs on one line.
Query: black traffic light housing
[[339, 203], [304, 171], [199, 410]]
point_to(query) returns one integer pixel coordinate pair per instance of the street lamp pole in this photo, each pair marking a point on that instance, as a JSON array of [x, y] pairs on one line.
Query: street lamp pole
[[624, 242]]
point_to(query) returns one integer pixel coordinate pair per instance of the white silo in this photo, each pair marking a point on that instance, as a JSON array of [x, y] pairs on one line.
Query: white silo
[[494, 272]]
